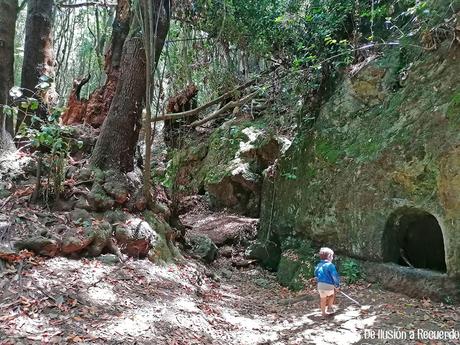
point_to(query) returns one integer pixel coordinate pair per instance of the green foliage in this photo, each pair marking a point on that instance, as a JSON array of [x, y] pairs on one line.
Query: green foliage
[[351, 270], [453, 110], [289, 176], [327, 151], [47, 136], [297, 263]]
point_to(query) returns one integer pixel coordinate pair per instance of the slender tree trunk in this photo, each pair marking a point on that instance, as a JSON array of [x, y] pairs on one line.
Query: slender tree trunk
[[38, 50], [116, 144], [8, 16]]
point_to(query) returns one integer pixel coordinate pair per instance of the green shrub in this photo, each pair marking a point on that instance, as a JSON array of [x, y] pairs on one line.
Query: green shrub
[[351, 270]]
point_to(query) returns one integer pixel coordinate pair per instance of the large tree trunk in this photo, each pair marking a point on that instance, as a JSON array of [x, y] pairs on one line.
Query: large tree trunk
[[8, 15], [38, 51], [116, 144], [94, 110]]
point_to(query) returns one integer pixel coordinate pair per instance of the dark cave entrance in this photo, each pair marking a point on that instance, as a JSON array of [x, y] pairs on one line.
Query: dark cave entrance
[[414, 238]]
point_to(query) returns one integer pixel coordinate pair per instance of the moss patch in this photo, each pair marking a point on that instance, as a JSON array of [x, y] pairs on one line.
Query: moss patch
[[296, 265], [453, 110]]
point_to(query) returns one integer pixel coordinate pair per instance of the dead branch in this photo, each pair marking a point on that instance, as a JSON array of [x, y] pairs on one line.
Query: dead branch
[[87, 4], [224, 109], [401, 251], [226, 95]]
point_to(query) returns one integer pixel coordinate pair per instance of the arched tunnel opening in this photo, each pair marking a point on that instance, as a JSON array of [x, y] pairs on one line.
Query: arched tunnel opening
[[414, 238]]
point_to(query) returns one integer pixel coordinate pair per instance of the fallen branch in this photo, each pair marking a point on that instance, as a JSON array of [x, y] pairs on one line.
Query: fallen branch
[[224, 109], [87, 4], [226, 95], [401, 251]]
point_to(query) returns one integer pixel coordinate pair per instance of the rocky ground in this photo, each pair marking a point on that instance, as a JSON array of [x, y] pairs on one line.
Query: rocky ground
[[61, 300], [231, 300]]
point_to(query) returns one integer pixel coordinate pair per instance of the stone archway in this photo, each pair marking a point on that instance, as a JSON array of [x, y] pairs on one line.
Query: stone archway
[[414, 237]]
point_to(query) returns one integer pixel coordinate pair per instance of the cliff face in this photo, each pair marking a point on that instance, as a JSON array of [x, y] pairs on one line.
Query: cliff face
[[378, 175]]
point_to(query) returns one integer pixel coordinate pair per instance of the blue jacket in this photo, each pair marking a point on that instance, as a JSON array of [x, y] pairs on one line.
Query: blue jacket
[[325, 272]]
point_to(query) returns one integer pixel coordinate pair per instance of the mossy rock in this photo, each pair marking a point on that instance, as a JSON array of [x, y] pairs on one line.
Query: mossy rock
[[4, 192], [453, 110], [116, 186], [294, 269], [101, 233], [268, 253], [98, 199], [80, 216], [116, 216], [40, 245], [203, 248], [75, 243], [162, 251], [84, 174], [296, 264]]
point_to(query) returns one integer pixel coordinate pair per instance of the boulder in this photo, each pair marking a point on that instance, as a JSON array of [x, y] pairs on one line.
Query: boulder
[[76, 240], [84, 174], [136, 237], [222, 229], [239, 191], [101, 232], [294, 269], [203, 248], [163, 249], [80, 216], [116, 186], [98, 200], [40, 245], [268, 253]]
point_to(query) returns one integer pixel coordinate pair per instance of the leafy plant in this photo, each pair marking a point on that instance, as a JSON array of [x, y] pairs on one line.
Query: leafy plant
[[50, 139], [351, 270]]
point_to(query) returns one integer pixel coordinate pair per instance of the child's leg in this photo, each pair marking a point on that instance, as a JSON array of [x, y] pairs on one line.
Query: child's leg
[[322, 304], [330, 303]]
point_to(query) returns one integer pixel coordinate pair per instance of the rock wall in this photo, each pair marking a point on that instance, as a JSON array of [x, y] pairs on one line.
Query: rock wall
[[227, 167], [385, 145]]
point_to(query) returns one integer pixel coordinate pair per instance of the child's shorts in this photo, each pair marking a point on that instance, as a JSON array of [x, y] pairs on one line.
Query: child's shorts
[[325, 290]]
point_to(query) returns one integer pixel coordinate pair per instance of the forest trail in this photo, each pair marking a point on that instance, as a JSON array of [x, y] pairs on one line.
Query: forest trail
[[85, 301]]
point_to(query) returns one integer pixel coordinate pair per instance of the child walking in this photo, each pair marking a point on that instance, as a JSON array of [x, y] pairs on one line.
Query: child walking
[[328, 280]]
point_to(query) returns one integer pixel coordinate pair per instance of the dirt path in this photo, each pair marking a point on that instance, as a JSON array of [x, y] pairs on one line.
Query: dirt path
[[86, 301]]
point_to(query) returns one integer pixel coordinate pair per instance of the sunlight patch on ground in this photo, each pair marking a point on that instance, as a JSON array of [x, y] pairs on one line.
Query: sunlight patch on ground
[[345, 328], [329, 337], [241, 321], [130, 324], [102, 294], [162, 304], [36, 328], [160, 273], [88, 272], [249, 330], [186, 305]]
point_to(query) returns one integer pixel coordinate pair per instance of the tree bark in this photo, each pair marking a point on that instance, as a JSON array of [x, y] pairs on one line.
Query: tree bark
[[97, 106], [8, 16], [116, 144], [38, 50]]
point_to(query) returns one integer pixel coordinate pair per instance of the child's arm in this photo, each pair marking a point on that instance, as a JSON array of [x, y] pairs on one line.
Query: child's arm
[[335, 275]]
